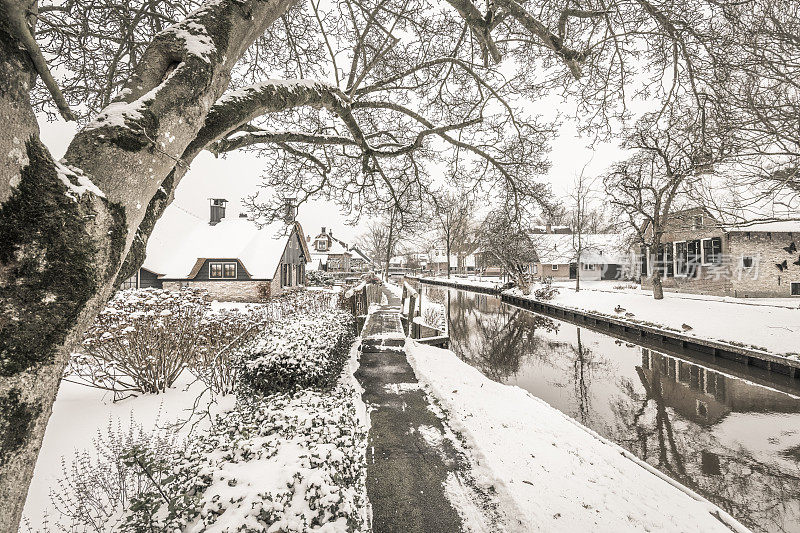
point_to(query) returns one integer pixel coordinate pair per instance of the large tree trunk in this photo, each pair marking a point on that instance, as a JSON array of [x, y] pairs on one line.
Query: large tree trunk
[[66, 227], [658, 286]]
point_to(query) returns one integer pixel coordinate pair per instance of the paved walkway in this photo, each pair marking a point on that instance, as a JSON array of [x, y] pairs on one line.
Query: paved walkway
[[406, 468]]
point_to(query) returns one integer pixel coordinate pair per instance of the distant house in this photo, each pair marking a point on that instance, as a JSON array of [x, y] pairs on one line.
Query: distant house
[[701, 255], [603, 256], [329, 254], [359, 262], [230, 257]]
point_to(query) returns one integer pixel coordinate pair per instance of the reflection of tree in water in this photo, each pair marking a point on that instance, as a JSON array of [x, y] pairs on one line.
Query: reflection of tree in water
[[582, 366], [762, 495], [493, 337]]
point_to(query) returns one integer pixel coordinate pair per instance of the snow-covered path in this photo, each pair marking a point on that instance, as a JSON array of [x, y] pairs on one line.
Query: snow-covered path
[[563, 476]]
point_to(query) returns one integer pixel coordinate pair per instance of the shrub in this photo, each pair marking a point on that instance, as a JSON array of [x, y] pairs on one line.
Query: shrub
[[546, 291], [97, 486], [282, 463], [304, 350], [319, 278], [223, 334], [141, 341]]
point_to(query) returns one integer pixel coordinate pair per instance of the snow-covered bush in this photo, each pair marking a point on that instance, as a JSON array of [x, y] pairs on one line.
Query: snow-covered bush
[[281, 463], [303, 350], [223, 334], [319, 278], [141, 341], [97, 486], [546, 291]]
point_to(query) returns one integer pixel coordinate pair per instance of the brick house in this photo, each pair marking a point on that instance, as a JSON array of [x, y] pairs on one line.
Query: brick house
[[328, 253], [700, 255], [232, 258]]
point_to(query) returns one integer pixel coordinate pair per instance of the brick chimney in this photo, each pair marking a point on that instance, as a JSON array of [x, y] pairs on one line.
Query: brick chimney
[[217, 210], [548, 228]]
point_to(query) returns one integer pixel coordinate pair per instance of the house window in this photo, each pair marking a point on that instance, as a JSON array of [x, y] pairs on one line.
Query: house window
[[697, 221], [694, 257], [747, 261], [681, 268], [669, 259], [712, 251], [221, 270], [298, 274], [795, 288], [643, 253], [130, 283], [285, 275], [554, 267]]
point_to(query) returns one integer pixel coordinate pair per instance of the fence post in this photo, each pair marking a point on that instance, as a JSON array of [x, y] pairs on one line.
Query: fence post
[[412, 304]]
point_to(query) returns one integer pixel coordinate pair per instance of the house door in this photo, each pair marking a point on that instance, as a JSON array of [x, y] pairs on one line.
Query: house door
[[611, 271], [573, 270]]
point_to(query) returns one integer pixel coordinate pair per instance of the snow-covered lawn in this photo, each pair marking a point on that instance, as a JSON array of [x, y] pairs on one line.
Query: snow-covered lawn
[[562, 476], [487, 282], [770, 324], [81, 414]]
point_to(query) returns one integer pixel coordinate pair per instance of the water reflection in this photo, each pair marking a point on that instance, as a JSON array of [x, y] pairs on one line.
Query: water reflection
[[735, 441]]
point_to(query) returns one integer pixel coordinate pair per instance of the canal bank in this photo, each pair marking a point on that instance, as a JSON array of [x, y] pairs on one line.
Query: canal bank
[[727, 431], [635, 330]]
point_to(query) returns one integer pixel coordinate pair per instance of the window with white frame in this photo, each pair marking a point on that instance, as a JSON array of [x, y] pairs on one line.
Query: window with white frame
[[222, 270], [554, 267], [712, 251], [681, 267], [697, 221]]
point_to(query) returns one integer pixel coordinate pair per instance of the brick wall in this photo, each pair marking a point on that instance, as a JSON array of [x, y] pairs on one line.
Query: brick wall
[[546, 271], [230, 291], [764, 279]]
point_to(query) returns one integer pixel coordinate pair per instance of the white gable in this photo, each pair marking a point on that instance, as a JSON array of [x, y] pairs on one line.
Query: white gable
[[175, 247]]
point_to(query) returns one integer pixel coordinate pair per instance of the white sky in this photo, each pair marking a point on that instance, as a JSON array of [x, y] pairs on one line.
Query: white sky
[[238, 175]]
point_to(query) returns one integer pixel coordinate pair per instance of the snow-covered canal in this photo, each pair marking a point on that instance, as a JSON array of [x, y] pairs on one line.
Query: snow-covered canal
[[730, 433]]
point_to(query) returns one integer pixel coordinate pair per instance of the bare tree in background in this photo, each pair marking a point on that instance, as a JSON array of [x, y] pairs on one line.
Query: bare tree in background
[[452, 213], [581, 197], [373, 241], [506, 239], [671, 152]]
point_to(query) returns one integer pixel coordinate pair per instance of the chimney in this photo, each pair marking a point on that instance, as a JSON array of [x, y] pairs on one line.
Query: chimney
[[323, 230], [217, 210], [548, 228]]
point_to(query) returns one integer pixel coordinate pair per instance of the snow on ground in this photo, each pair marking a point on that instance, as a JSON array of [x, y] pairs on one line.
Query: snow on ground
[[766, 324], [563, 476], [81, 412], [488, 282], [769, 324]]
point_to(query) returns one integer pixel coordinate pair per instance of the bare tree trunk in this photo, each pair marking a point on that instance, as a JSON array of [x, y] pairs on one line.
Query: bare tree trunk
[[389, 248], [658, 287], [447, 258], [65, 228]]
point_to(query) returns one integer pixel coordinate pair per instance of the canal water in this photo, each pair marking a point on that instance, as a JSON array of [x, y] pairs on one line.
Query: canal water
[[728, 432]]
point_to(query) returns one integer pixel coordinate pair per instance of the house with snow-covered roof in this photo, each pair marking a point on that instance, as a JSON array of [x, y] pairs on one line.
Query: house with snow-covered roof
[[233, 258], [603, 255], [700, 254], [328, 253]]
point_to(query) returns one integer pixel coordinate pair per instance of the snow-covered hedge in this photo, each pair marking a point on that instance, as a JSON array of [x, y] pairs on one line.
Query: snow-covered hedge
[[141, 341], [285, 463], [304, 350]]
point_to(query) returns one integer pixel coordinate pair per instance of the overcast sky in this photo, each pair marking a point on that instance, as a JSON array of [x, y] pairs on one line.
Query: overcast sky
[[238, 175]]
